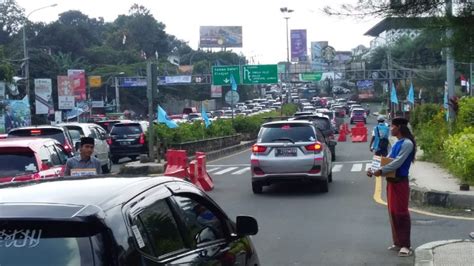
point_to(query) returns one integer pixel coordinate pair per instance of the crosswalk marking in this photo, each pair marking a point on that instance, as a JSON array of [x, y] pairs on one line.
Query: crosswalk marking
[[241, 171], [213, 169], [367, 166], [244, 169], [225, 170], [337, 168], [357, 167]]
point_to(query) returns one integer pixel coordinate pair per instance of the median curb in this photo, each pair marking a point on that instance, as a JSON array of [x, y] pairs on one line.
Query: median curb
[[137, 168], [425, 196]]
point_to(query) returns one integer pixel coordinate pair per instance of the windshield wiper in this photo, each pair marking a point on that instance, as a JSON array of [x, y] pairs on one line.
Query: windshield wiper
[[292, 141]]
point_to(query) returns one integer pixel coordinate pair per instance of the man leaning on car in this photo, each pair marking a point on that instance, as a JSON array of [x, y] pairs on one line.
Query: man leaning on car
[[84, 164]]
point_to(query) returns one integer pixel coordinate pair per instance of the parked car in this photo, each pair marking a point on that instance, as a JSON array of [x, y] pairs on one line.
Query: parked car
[[108, 124], [120, 221], [101, 147], [290, 151], [59, 133], [358, 115], [128, 140], [23, 159], [323, 123]]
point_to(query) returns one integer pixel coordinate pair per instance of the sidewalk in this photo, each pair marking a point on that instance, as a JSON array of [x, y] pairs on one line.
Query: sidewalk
[[433, 185], [448, 252]]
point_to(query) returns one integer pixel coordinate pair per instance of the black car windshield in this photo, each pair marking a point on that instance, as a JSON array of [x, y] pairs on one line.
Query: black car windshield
[[358, 112], [287, 132], [126, 129], [51, 133], [75, 132], [17, 163], [36, 244]]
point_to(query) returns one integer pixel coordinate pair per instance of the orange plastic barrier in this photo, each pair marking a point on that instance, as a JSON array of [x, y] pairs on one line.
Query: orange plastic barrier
[[342, 134], [192, 173], [203, 177], [177, 163], [359, 134]]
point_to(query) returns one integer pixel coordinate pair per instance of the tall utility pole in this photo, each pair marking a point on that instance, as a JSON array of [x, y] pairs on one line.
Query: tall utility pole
[[151, 87], [286, 11], [25, 51], [390, 82], [450, 62]]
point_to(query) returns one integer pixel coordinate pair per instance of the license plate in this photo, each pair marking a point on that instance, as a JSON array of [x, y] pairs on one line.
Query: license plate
[[125, 143], [286, 152]]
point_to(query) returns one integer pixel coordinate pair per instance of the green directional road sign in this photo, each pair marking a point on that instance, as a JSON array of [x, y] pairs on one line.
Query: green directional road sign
[[260, 74], [221, 75], [311, 76]]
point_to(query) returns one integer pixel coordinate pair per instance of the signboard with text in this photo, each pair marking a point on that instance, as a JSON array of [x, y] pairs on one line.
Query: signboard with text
[[260, 74], [43, 96], [221, 74], [66, 98]]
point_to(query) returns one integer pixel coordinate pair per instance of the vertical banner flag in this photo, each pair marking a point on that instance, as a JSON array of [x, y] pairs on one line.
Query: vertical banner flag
[[411, 94], [445, 100], [393, 95], [163, 118], [233, 83], [77, 79], [43, 96], [299, 50], [65, 94], [204, 115]]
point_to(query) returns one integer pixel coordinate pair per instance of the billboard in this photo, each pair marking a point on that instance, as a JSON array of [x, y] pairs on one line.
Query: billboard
[[317, 59], [14, 113], [43, 96], [65, 94], [77, 79], [366, 89], [220, 36], [298, 46], [216, 91]]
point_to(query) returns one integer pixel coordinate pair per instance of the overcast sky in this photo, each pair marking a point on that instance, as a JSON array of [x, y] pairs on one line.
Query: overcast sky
[[264, 36]]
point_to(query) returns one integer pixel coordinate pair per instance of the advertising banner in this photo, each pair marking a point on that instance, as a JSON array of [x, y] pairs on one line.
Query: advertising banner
[[77, 79], [3, 86], [16, 113], [43, 96], [177, 79], [220, 36], [317, 59], [298, 46], [366, 89], [66, 99], [216, 91]]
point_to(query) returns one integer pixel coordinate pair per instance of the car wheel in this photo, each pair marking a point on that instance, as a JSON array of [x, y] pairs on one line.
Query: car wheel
[[106, 168], [324, 185], [133, 158], [115, 160], [257, 188]]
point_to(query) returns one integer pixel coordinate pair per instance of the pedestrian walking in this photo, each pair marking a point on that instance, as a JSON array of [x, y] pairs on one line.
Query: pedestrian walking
[[398, 189], [84, 164], [379, 142]]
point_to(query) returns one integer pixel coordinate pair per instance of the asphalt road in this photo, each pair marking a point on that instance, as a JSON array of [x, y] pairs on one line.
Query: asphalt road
[[301, 226]]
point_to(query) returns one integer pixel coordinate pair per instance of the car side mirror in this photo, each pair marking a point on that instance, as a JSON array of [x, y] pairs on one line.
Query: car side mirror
[[246, 226]]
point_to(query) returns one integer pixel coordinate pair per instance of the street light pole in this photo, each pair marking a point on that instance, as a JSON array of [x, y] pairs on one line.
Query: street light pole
[[25, 50]]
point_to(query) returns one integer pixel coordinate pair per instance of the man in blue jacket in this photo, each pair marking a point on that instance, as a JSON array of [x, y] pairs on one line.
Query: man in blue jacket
[[380, 134]]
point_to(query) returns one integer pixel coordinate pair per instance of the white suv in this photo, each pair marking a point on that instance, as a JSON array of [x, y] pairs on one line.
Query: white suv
[[101, 148]]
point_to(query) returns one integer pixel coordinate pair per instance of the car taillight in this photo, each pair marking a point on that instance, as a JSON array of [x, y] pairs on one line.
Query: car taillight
[[142, 139], [258, 149], [67, 148], [109, 141], [316, 147]]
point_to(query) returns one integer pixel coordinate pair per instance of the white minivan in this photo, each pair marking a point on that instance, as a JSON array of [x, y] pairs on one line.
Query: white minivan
[[101, 148]]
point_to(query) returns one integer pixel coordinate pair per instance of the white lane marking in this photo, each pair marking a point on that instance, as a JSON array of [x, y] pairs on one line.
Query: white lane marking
[[337, 168], [241, 171], [368, 161], [357, 167], [225, 170], [227, 165], [367, 166], [213, 169]]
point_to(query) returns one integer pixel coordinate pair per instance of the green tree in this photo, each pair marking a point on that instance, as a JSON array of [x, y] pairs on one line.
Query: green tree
[[12, 18], [6, 68]]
